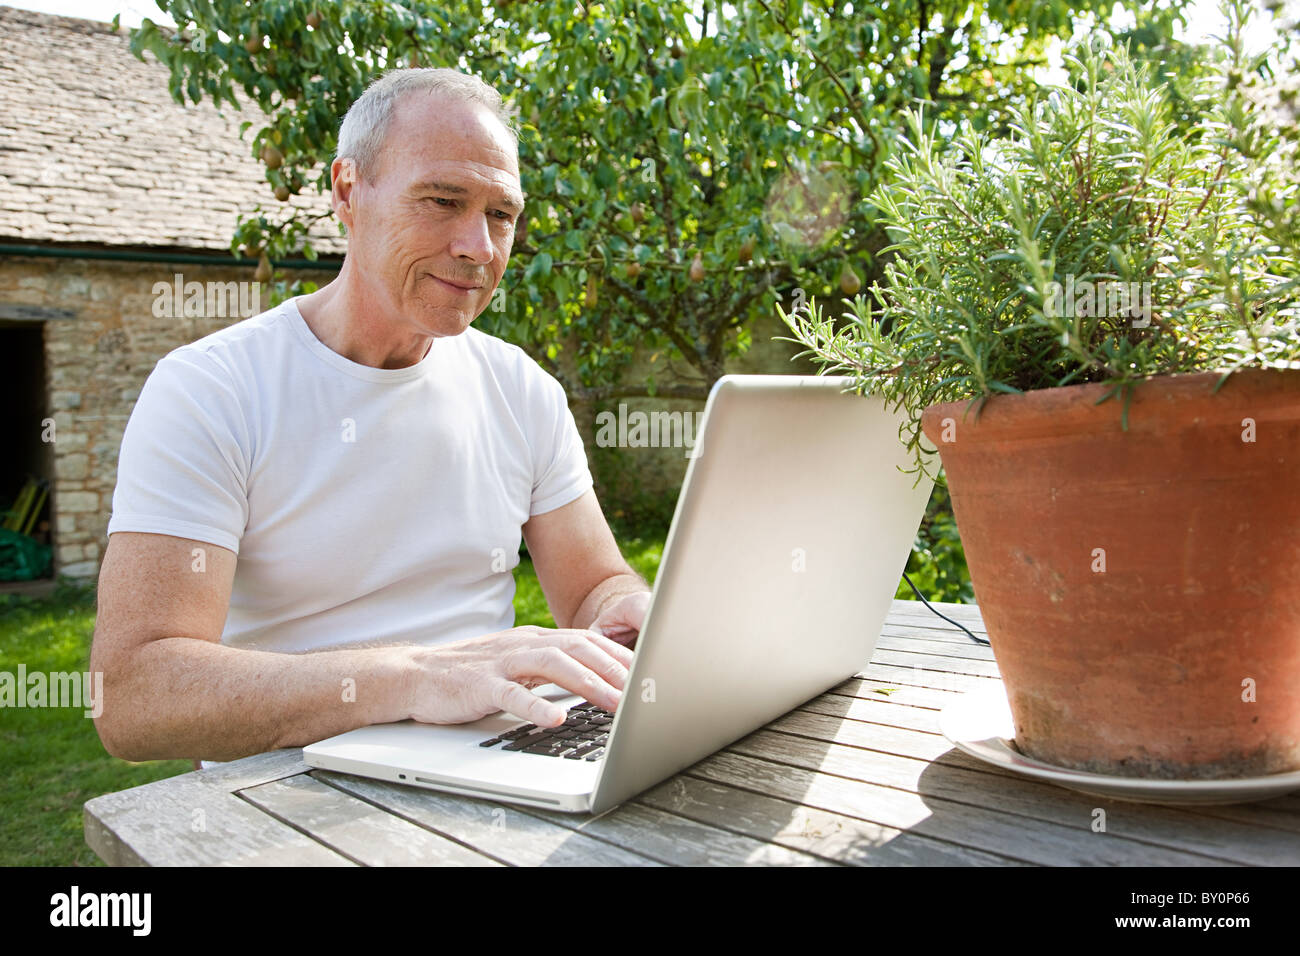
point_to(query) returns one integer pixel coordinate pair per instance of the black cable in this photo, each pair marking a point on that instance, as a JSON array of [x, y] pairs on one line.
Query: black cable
[[978, 640]]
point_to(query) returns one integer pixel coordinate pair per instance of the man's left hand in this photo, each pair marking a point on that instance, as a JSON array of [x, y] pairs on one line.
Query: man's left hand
[[621, 621]]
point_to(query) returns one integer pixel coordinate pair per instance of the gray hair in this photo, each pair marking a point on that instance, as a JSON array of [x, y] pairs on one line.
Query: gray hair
[[364, 127]]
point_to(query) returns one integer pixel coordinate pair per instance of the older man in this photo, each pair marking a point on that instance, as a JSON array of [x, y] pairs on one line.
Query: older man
[[349, 475]]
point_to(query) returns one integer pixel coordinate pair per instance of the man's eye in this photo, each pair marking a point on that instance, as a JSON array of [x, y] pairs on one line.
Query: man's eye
[[442, 200]]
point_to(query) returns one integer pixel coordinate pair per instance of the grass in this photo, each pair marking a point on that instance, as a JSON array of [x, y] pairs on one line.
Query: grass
[[52, 759], [643, 553]]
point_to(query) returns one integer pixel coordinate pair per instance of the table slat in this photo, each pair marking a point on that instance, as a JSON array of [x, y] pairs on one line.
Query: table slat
[[933, 638], [913, 759], [893, 675], [894, 642], [937, 663], [967, 614], [358, 830], [187, 821], [499, 830], [979, 828], [895, 692], [879, 711], [677, 839], [835, 836]]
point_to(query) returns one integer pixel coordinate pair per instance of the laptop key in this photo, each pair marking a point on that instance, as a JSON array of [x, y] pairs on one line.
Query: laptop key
[[546, 750], [583, 734], [595, 754]]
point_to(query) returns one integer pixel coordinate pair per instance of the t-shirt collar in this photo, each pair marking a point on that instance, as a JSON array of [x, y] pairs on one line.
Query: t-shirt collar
[[322, 351]]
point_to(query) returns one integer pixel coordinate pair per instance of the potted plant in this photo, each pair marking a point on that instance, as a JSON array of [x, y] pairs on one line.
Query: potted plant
[[1093, 322]]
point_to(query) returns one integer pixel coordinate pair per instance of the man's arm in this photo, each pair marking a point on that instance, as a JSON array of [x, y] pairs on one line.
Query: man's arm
[[173, 690], [580, 569]]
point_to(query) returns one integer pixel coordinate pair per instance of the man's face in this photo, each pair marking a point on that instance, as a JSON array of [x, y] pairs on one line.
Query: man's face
[[435, 228]]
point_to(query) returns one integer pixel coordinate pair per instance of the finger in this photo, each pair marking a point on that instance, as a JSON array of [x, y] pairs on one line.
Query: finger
[[519, 700], [605, 655], [622, 636], [626, 640], [558, 667], [612, 647], [599, 654]]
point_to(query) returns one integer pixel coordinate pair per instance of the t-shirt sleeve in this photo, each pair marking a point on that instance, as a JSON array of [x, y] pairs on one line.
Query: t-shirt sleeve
[[560, 472], [183, 466]]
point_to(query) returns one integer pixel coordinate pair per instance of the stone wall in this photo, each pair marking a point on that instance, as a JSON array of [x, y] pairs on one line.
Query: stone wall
[[96, 363]]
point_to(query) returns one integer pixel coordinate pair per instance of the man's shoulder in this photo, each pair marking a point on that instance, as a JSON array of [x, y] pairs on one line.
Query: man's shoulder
[[233, 352], [491, 347], [246, 335], [506, 358]]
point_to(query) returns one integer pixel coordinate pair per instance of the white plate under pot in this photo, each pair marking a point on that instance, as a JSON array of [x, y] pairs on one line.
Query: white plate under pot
[[980, 724]]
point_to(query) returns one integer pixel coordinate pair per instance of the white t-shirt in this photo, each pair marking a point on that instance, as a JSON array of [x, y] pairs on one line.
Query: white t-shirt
[[365, 504]]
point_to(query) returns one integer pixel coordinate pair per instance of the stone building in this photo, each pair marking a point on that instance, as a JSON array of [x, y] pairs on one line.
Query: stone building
[[108, 188], [110, 191]]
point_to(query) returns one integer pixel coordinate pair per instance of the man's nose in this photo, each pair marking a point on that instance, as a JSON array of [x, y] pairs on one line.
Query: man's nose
[[473, 240]]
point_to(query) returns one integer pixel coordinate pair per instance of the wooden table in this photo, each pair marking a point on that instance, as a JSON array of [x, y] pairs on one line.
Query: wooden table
[[860, 775]]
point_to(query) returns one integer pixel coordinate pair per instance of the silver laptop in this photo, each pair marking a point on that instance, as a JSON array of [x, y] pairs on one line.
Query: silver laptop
[[792, 530]]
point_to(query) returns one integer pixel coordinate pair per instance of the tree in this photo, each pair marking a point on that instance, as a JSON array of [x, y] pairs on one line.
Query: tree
[[685, 169]]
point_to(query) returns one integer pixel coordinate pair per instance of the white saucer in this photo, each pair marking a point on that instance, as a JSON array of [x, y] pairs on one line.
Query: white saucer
[[980, 724]]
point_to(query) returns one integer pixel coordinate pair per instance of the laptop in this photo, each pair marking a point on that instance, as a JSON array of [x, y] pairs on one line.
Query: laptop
[[792, 530]]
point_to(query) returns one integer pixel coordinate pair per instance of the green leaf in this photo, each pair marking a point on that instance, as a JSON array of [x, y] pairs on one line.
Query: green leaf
[[540, 267]]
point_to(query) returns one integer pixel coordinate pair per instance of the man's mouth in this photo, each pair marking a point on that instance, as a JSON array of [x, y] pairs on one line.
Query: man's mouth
[[458, 286]]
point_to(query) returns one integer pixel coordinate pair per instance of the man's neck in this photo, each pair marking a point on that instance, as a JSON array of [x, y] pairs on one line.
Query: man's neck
[[341, 318]]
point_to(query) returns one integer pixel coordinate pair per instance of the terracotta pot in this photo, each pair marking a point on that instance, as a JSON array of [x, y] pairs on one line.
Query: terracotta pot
[[1141, 589]]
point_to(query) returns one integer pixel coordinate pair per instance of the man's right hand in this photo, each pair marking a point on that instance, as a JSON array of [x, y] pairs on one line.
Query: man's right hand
[[470, 679]]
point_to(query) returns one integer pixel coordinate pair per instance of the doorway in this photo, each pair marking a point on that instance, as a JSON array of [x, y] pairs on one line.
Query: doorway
[[26, 453]]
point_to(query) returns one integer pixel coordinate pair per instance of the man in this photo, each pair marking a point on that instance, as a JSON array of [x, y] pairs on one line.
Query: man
[[318, 508]]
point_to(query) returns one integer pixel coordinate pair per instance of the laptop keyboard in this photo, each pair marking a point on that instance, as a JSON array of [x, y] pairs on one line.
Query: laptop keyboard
[[582, 736]]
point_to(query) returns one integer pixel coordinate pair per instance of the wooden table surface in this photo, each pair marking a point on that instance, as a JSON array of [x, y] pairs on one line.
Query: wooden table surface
[[860, 775]]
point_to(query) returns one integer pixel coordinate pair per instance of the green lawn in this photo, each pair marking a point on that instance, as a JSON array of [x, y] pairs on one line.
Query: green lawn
[[51, 760]]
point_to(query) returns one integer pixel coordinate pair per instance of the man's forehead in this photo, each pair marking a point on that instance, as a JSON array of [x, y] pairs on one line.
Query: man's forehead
[[454, 144]]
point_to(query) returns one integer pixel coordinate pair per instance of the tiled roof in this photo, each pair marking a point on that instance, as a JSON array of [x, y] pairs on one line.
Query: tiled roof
[[93, 149]]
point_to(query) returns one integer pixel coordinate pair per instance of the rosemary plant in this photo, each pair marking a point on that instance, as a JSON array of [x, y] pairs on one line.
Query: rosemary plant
[[1097, 243]]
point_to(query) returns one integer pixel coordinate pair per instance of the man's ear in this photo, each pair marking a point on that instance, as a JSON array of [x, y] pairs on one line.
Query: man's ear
[[343, 176]]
